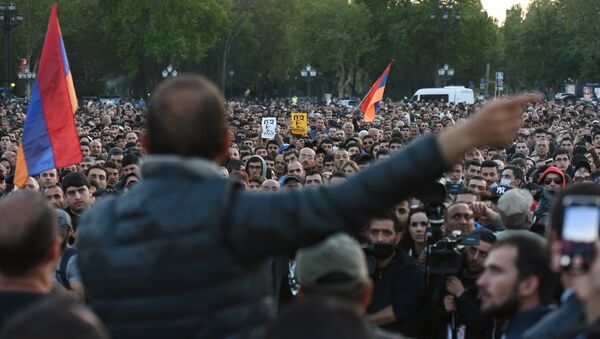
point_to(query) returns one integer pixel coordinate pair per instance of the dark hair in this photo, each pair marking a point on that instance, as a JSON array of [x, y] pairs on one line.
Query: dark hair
[[390, 215], [556, 218], [532, 259], [53, 318], [187, 117], [485, 235], [489, 163], [517, 172], [320, 320], [28, 229], [469, 163], [312, 172], [75, 179], [562, 151], [110, 165], [96, 167]]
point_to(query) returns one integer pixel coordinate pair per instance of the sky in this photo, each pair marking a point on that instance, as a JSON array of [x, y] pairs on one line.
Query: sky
[[497, 8]]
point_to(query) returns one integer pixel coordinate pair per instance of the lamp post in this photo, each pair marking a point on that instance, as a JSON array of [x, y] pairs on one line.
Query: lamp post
[[446, 73], [308, 73], [169, 72], [231, 74], [9, 19], [448, 19], [27, 76]]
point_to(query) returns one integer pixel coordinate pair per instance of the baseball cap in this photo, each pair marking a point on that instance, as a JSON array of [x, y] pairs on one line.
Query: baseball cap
[[514, 205], [335, 264], [282, 148], [292, 177], [64, 220]]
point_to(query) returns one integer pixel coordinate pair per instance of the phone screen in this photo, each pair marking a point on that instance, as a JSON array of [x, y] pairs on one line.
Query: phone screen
[[581, 223]]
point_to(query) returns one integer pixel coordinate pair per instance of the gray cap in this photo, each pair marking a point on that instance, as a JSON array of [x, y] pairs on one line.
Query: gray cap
[[514, 206], [64, 220], [337, 263]]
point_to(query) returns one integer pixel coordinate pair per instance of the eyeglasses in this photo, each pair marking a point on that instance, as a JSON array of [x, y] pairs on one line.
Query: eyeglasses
[[548, 181]]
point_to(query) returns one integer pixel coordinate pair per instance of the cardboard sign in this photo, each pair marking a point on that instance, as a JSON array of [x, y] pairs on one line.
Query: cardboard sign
[[299, 123], [268, 128]]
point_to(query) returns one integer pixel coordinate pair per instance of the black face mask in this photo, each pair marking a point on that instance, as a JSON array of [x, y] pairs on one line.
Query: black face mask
[[383, 251]]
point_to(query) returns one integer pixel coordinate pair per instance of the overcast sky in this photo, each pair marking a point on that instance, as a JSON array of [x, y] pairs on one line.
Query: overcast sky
[[497, 8]]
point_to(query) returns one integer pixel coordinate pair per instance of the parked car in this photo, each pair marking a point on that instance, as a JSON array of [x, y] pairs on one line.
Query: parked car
[[348, 103], [451, 94]]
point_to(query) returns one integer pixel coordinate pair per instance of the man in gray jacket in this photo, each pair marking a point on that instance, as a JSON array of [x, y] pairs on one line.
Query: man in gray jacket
[[182, 255]]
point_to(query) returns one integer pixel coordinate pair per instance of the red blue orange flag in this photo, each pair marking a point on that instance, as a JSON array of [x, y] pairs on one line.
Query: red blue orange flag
[[49, 136], [370, 103]]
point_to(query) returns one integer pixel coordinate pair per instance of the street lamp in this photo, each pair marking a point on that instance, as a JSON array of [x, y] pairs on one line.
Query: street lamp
[[9, 19], [169, 72], [448, 18], [308, 73], [231, 74], [446, 73], [27, 76]]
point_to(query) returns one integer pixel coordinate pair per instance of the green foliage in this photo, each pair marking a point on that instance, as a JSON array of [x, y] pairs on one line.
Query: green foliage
[[266, 42]]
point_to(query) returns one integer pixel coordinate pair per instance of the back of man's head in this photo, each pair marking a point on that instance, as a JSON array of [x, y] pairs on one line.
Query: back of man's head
[[335, 268], [54, 318], [28, 232], [318, 320], [514, 208], [187, 117]]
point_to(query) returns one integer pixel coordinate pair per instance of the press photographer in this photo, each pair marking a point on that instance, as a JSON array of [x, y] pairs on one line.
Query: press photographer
[[463, 294]]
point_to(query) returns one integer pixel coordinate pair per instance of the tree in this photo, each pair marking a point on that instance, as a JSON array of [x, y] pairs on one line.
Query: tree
[[147, 36]]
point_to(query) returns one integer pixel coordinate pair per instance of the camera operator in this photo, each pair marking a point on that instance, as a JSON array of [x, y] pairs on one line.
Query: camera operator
[[398, 281], [463, 294]]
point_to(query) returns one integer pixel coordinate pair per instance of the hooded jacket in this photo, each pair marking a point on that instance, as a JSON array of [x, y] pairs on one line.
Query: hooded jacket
[[263, 165]]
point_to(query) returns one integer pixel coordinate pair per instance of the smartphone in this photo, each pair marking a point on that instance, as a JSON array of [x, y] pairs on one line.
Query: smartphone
[[581, 228]]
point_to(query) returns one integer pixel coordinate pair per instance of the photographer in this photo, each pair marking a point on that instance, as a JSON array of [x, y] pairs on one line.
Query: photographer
[[463, 297], [398, 281]]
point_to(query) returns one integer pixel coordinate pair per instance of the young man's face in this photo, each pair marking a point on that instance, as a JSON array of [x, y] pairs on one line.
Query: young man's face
[[498, 285], [78, 198]]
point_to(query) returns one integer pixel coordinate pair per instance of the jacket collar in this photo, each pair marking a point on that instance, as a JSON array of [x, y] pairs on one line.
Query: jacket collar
[[161, 165]]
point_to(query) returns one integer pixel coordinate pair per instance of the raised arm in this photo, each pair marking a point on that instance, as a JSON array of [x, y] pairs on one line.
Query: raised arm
[[264, 224]]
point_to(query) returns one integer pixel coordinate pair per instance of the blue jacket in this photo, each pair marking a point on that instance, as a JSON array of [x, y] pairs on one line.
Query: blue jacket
[[182, 254]]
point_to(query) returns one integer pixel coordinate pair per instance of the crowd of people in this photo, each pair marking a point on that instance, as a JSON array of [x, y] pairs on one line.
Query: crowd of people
[[182, 221]]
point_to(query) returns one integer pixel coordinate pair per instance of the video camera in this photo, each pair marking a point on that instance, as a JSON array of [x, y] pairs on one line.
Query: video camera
[[444, 256], [443, 252]]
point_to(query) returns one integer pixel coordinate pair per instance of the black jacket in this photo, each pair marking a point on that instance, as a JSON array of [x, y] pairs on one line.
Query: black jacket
[[182, 255]]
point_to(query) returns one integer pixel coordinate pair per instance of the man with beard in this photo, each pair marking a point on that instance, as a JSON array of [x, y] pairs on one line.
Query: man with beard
[[516, 283], [398, 282], [463, 295]]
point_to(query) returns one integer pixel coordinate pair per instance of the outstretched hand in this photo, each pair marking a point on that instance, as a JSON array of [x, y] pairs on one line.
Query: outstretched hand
[[497, 123]]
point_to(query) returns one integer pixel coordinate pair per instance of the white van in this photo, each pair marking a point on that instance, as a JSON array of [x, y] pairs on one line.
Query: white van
[[451, 94]]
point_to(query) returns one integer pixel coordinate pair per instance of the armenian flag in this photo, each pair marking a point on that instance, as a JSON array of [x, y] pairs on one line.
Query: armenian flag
[[370, 103], [49, 136]]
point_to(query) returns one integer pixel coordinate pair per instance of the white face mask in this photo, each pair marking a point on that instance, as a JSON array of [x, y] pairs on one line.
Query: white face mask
[[505, 182]]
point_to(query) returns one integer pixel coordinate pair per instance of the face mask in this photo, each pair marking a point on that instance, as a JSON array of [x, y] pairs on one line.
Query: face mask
[[382, 251], [505, 182]]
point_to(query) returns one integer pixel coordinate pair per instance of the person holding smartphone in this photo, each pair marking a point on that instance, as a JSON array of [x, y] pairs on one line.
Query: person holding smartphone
[[575, 244]]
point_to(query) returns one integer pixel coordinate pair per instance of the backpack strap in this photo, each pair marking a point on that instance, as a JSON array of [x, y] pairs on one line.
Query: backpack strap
[[61, 273]]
